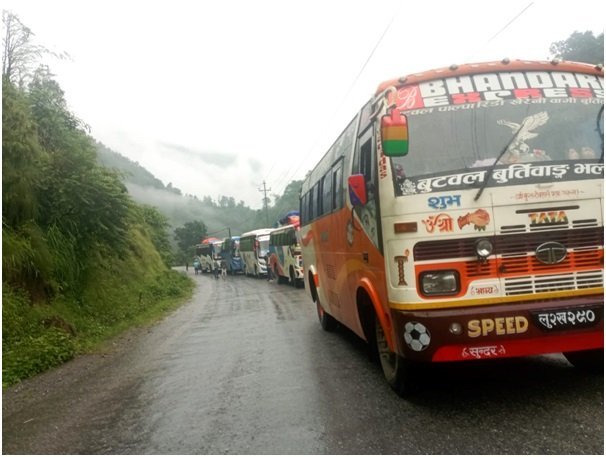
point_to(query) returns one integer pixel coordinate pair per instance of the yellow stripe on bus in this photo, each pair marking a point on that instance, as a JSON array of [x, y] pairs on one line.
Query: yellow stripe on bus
[[495, 300]]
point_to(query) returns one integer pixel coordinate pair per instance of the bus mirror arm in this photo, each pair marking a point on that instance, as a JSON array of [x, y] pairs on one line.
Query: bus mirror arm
[[379, 101]]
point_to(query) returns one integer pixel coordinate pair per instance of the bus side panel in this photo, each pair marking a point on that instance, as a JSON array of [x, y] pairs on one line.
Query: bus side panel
[[343, 257]]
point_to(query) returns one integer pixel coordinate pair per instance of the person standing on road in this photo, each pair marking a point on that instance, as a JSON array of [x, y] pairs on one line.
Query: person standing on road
[[216, 267], [270, 275]]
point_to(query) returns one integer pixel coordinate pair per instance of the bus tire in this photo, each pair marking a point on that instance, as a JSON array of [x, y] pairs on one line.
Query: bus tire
[[293, 279], [278, 276], [591, 361], [398, 371], [327, 322]]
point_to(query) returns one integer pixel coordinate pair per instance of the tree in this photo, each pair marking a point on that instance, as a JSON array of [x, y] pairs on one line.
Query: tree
[[189, 235], [21, 155], [80, 197], [580, 47], [19, 55], [158, 225]]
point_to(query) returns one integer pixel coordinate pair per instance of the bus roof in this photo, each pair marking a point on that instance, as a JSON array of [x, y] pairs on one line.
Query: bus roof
[[284, 228], [258, 232], [503, 65]]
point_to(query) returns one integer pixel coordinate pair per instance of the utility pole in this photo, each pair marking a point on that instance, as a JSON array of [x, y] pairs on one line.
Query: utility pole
[[265, 190]]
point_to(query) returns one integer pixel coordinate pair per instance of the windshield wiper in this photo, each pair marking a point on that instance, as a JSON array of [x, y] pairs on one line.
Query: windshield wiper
[[493, 166]]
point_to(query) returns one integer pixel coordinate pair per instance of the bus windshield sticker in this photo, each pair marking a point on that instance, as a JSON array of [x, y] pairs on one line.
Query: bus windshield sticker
[[509, 175], [444, 201], [497, 86]]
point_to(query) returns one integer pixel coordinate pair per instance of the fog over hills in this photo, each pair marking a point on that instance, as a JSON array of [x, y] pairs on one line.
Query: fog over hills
[[221, 217]]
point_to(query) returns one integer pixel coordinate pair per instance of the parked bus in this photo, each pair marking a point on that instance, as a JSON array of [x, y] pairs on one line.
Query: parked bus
[[230, 253], [285, 255], [459, 217], [254, 246], [208, 251]]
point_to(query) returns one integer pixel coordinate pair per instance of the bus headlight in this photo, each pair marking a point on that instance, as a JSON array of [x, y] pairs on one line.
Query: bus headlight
[[445, 282], [484, 248]]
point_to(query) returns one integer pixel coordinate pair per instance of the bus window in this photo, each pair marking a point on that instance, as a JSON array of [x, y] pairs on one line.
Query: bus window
[[317, 200], [337, 186], [327, 193]]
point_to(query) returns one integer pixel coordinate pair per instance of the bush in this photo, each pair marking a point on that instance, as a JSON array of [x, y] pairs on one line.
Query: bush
[[33, 355]]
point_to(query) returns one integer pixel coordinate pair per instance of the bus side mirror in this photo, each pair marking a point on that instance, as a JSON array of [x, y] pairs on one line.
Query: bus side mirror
[[357, 190], [394, 134]]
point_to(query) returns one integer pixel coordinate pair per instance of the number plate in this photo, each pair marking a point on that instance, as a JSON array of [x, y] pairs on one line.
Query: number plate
[[568, 318]]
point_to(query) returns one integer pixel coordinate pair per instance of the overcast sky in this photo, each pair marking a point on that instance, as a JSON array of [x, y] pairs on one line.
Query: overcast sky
[[219, 96]]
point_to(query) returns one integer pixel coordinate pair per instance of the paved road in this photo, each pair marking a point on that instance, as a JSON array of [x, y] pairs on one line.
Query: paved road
[[244, 368]]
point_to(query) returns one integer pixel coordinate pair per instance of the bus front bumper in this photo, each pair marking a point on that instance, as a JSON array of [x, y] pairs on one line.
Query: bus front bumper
[[498, 331]]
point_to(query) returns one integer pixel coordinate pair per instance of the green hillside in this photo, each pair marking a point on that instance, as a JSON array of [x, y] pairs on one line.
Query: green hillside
[[81, 261]]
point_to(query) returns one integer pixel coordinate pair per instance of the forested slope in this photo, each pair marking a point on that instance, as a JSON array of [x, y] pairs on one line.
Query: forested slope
[[80, 259]]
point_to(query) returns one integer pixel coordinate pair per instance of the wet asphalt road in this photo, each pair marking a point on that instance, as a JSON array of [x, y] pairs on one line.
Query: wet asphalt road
[[244, 368]]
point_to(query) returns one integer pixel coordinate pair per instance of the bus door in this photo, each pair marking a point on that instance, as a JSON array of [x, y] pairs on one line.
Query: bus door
[[363, 231]]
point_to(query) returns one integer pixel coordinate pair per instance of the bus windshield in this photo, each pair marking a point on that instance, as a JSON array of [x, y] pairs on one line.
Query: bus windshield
[[472, 136], [263, 245]]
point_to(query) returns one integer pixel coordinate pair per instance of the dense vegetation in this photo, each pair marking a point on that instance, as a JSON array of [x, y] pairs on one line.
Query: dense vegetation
[[81, 261]]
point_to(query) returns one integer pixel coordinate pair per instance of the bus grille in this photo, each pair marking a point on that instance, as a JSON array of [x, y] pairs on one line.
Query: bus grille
[[553, 283], [515, 262], [510, 245]]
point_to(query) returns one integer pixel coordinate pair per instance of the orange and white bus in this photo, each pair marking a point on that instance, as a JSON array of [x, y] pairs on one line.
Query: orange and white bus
[[459, 217], [285, 255]]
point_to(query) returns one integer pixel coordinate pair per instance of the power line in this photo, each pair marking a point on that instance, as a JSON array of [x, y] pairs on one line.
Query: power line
[[265, 190], [510, 22], [340, 105]]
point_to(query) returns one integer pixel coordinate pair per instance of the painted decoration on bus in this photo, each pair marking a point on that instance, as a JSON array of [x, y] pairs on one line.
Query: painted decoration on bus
[[514, 174], [497, 86]]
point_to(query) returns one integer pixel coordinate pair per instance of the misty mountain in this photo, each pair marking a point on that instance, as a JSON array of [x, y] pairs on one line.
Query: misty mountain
[[221, 217]]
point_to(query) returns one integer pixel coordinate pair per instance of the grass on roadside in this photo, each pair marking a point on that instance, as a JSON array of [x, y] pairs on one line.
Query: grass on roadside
[[120, 293]]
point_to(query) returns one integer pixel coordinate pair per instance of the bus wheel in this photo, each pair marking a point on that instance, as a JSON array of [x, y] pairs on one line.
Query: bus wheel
[[591, 361], [398, 372], [327, 322]]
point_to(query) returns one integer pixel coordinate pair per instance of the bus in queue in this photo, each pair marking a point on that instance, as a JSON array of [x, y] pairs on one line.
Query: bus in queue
[[254, 247], [230, 253], [459, 217], [208, 252], [285, 256]]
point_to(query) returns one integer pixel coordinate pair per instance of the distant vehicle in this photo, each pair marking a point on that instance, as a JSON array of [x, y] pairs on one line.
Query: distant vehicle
[[285, 258], [254, 247], [230, 253], [208, 251]]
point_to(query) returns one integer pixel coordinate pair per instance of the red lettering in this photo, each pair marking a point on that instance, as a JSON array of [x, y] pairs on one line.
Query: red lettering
[[527, 93], [470, 97], [581, 93]]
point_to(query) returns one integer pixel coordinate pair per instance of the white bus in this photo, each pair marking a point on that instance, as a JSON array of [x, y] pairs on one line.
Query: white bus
[[209, 251], [254, 246], [285, 256]]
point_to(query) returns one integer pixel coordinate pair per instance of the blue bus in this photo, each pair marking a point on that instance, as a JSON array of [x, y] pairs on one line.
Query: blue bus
[[230, 253]]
